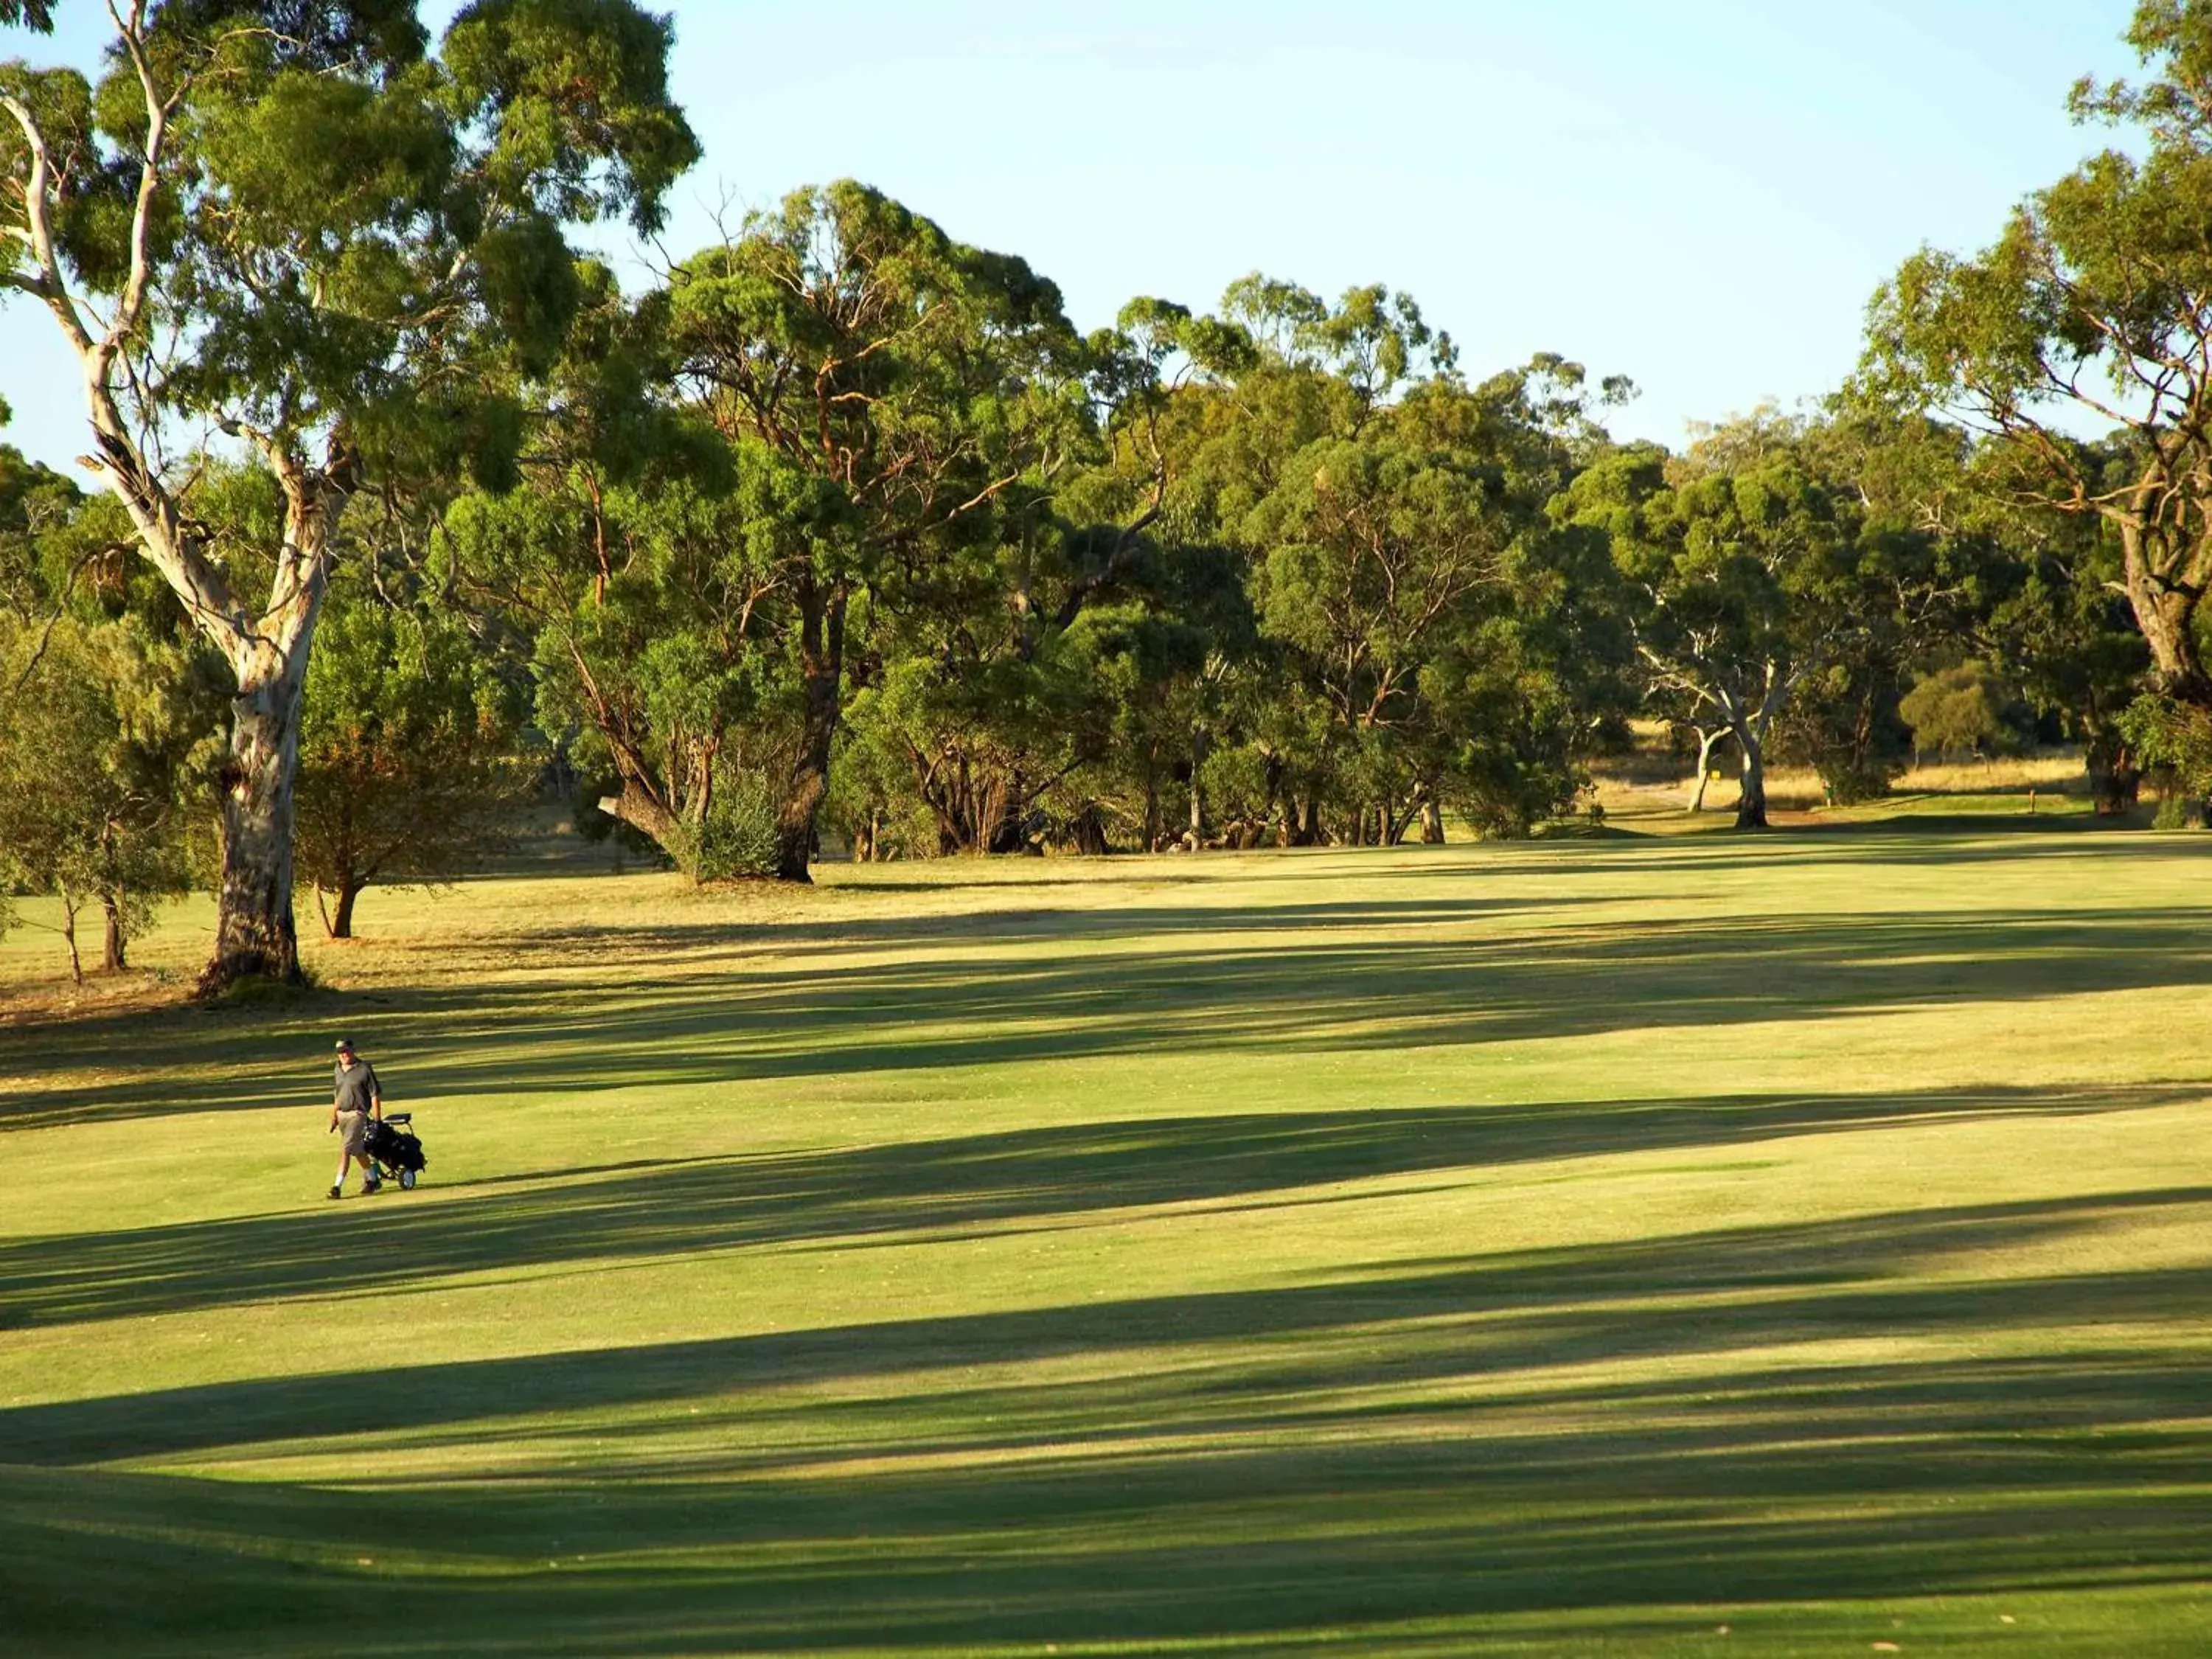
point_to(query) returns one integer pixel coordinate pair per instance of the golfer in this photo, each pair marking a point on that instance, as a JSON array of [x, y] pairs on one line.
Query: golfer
[[355, 1097]]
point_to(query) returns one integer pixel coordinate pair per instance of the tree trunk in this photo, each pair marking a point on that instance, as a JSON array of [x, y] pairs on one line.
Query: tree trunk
[[1272, 774], [69, 903], [1706, 740], [1002, 815], [2115, 780], [1751, 806], [1088, 832], [113, 942], [646, 813], [342, 923], [822, 677], [1198, 748], [255, 936], [2166, 616], [1415, 812]]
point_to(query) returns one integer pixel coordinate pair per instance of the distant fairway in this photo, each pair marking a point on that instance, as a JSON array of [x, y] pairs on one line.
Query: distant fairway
[[1566, 1247]]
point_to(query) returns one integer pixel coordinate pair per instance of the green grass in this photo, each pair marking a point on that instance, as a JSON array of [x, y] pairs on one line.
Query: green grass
[[1572, 1248]]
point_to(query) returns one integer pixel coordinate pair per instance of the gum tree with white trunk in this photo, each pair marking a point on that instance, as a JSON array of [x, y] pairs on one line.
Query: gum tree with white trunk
[[289, 223], [2092, 312], [1726, 568]]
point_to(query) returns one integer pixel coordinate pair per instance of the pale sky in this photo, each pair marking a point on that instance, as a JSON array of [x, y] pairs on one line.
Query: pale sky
[[1699, 194]]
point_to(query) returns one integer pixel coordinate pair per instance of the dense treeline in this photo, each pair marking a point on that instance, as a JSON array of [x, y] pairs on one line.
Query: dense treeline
[[842, 535]]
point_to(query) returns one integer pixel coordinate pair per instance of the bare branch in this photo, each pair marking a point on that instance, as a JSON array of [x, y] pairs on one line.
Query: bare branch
[[36, 231]]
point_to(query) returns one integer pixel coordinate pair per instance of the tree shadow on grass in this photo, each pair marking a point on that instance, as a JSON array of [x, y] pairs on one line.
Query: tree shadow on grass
[[940, 1189], [1930, 840], [1367, 978], [1599, 1433]]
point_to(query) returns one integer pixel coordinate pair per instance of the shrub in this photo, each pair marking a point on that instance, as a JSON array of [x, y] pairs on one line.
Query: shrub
[[738, 837]]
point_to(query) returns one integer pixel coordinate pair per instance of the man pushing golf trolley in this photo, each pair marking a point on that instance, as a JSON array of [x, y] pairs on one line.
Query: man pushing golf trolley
[[385, 1147]]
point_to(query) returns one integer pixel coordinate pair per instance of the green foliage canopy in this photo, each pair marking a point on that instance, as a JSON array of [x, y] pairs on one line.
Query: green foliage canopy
[[414, 766], [2091, 303]]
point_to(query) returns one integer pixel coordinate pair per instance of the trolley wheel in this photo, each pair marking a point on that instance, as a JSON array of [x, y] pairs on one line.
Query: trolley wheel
[[407, 1180]]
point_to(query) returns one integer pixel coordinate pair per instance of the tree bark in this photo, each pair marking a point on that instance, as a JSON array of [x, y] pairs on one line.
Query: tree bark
[[112, 944], [341, 925], [1751, 805], [1706, 740], [1198, 748], [1088, 833], [997, 806], [646, 813], [821, 676], [2115, 780], [70, 902], [255, 936], [2166, 613]]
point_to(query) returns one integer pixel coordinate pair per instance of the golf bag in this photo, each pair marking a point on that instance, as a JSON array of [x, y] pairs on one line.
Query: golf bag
[[396, 1151]]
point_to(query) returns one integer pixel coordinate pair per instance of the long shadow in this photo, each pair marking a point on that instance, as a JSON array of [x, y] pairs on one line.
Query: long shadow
[[1935, 840], [1392, 1445], [1714, 1290], [1031, 925], [1366, 978], [939, 1189]]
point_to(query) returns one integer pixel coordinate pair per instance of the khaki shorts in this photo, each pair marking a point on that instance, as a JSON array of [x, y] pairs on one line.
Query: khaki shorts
[[353, 1132]]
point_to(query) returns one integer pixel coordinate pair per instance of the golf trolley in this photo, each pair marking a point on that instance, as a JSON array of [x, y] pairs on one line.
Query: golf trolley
[[396, 1151]]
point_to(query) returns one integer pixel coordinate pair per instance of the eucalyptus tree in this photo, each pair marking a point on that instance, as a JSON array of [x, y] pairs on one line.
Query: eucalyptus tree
[[1726, 569], [1278, 370], [1908, 587], [1041, 659], [1429, 610], [1425, 638], [109, 706], [907, 397], [2063, 623], [2091, 307], [639, 559], [97, 755], [413, 763], [1066, 729], [296, 224], [1374, 551], [1971, 707]]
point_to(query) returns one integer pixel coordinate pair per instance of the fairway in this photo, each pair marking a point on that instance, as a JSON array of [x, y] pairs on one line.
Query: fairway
[[1668, 1245]]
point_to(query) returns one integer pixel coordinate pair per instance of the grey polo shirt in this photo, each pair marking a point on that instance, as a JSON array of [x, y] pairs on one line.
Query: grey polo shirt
[[352, 1089]]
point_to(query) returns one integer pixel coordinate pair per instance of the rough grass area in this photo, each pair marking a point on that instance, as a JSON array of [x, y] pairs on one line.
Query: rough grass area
[[1654, 785], [1617, 1246]]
